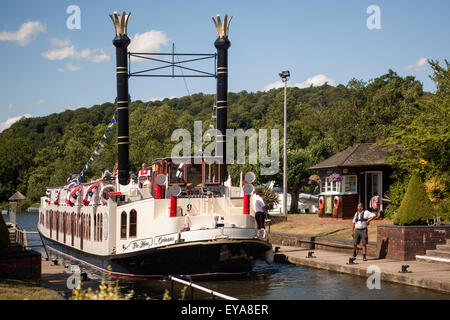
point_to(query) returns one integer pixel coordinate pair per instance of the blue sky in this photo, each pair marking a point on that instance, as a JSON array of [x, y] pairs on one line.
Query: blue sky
[[49, 68]]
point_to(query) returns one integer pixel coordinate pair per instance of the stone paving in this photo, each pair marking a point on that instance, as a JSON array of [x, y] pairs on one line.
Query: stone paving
[[54, 277], [421, 274]]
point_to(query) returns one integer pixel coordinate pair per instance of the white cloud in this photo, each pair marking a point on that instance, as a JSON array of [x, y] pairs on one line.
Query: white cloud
[[26, 33], [59, 43], [69, 52], [161, 99], [40, 101], [419, 65], [74, 107], [100, 57], [5, 125], [317, 80], [69, 67], [60, 53], [150, 41], [273, 85]]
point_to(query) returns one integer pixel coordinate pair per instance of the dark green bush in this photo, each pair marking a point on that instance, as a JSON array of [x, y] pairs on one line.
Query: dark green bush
[[416, 207]]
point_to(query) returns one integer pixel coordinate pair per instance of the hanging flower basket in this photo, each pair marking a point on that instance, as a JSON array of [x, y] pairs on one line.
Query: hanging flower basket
[[335, 177], [314, 178]]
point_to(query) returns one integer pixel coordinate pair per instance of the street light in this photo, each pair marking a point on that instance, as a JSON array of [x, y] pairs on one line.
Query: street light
[[284, 78]]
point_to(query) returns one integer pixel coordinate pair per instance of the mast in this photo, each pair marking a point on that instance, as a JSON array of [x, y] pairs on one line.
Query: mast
[[222, 44], [121, 42]]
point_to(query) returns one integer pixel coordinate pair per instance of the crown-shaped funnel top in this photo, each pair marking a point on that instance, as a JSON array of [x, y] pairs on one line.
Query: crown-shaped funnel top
[[120, 23], [222, 28]]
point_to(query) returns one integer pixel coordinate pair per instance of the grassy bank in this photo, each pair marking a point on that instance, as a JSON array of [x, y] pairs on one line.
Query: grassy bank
[[312, 225], [25, 290]]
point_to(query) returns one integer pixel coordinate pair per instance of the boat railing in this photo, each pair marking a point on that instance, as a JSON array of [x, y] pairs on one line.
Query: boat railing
[[192, 286]]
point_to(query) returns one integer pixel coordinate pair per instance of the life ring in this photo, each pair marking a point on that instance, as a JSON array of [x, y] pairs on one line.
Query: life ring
[[73, 196], [321, 202], [104, 193], [336, 202], [321, 205]]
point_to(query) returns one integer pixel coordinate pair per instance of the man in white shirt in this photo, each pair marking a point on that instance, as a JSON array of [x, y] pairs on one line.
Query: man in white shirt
[[361, 220], [260, 208]]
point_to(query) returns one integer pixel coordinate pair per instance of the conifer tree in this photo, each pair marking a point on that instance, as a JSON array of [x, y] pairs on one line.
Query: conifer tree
[[416, 207]]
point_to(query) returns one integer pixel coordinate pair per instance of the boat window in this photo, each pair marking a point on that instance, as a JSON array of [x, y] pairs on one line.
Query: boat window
[[194, 175], [73, 228], [95, 227], [177, 173], [133, 223], [100, 223], [211, 173], [123, 225]]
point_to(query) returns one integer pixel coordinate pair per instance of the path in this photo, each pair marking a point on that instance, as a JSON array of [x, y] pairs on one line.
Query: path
[[54, 277], [422, 274]]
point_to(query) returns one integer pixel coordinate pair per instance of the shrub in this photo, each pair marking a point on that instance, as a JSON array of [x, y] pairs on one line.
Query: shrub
[[395, 195], [416, 207], [107, 290], [269, 196]]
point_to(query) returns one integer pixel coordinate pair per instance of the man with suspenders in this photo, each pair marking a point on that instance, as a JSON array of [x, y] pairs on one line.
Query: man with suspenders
[[361, 220], [144, 174]]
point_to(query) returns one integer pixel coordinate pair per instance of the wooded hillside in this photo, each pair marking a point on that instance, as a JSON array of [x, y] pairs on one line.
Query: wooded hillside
[[390, 109]]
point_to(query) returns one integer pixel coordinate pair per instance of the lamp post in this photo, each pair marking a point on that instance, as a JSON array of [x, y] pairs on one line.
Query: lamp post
[[285, 77]]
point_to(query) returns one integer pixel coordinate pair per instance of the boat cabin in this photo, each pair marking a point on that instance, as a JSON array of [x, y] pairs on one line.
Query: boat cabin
[[193, 174], [359, 174]]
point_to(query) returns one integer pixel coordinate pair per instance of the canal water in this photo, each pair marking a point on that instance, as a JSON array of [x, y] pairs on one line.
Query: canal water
[[266, 282]]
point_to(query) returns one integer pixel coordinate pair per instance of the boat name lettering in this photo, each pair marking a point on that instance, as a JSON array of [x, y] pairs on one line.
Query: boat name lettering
[[146, 243], [164, 239]]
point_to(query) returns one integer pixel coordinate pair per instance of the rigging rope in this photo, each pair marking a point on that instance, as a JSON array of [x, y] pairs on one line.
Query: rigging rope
[[100, 145]]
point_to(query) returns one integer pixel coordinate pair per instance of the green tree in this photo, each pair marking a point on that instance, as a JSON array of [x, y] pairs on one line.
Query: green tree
[[421, 141], [16, 157], [416, 207]]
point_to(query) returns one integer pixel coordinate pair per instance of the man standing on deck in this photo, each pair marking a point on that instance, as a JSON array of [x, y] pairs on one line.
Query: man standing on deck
[[361, 220], [105, 174], [260, 208], [144, 174]]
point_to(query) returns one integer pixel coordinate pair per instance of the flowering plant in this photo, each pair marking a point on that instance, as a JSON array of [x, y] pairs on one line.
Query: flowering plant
[[314, 178], [335, 177]]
